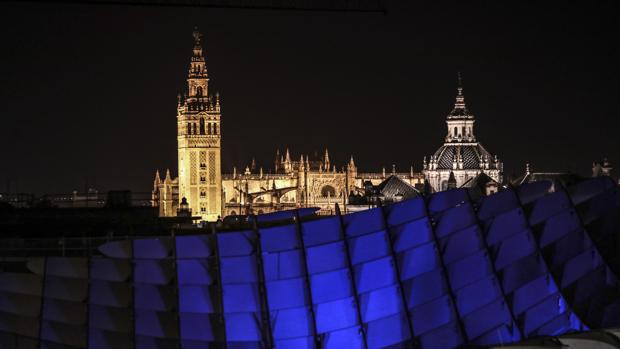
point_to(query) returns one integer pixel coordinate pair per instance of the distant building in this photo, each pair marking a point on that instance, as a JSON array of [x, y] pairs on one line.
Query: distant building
[[461, 157], [557, 179], [601, 168]]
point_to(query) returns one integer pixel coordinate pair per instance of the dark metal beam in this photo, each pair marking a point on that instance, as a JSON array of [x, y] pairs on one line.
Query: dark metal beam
[[364, 6]]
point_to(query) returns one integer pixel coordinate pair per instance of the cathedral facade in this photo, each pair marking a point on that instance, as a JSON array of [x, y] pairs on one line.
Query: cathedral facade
[[209, 194], [298, 183]]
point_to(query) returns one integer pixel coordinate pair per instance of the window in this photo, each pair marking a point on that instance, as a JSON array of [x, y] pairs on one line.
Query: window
[[455, 131], [202, 126], [199, 91], [328, 191], [214, 129], [203, 161], [189, 128], [209, 129]]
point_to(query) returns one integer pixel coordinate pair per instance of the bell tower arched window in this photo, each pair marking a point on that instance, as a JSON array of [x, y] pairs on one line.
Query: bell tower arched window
[[199, 91], [202, 126]]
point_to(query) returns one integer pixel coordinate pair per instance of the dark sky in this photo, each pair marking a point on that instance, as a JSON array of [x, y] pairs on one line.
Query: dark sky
[[89, 92]]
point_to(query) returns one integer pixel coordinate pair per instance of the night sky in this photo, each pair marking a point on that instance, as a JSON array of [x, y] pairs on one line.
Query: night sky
[[88, 92]]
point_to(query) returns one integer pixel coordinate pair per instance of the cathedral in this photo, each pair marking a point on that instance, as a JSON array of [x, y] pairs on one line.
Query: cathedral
[[298, 181], [202, 188]]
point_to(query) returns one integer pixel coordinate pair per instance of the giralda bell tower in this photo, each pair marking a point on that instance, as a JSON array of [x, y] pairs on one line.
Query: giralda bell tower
[[199, 141]]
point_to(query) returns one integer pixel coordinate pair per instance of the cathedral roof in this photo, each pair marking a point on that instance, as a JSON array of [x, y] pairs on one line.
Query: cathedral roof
[[394, 185], [480, 181], [564, 178], [472, 156]]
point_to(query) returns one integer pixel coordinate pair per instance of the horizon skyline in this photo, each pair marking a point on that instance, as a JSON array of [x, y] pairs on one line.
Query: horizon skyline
[[305, 89]]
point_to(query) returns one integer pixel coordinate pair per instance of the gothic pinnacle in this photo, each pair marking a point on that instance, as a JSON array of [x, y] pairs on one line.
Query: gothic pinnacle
[[326, 160], [157, 177], [288, 156]]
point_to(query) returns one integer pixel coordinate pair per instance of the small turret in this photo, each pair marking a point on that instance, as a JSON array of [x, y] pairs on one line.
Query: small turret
[[288, 164], [157, 180], [302, 166], [351, 164], [277, 162], [168, 179], [326, 163], [157, 177], [288, 156]]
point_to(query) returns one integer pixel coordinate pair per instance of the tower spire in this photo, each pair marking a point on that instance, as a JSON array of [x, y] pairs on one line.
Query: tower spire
[[460, 121], [459, 105], [197, 79], [197, 43]]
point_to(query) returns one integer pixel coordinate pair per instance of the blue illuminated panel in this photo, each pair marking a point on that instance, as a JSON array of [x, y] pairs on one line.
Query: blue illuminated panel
[[438, 272]]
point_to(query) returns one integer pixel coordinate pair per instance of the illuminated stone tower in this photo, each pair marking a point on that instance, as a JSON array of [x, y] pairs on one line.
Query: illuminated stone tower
[[199, 141]]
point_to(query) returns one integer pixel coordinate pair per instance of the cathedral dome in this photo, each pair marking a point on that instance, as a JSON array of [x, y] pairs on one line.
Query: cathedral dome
[[472, 157], [461, 156]]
